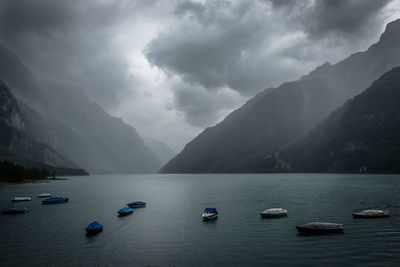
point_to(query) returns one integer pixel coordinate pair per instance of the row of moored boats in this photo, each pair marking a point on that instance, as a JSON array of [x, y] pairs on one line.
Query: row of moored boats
[[93, 228], [313, 227], [96, 227], [210, 213]]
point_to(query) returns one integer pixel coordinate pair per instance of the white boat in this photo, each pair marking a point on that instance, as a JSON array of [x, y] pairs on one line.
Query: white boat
[[274, 212], [371, 214], [209, 214], [44, 195], [20, 199]]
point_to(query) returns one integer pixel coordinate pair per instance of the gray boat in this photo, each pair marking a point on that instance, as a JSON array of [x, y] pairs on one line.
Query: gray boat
[[320, 228]]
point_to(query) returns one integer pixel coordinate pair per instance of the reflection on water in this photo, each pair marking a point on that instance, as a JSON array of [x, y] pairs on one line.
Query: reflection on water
[[170, 230]]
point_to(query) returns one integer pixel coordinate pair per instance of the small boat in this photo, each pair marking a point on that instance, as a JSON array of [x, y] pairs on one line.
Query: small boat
[[20, 199], [274, 212], [137, 204], [320, 228], [94, 228], [371, 214], [55, 200], [42, 195], [210, 214], [14, 211], [125, 211]]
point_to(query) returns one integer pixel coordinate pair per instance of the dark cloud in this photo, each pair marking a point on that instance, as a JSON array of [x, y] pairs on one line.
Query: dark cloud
[[250, 45], [217, 44], [71, 41], [343, 17], [202, 108]]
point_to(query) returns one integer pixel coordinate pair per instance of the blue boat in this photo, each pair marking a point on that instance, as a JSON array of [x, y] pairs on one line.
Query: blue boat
[[125, 211], [136, 204], [55, 200], [210, 214], [14, 211], [94, 228]]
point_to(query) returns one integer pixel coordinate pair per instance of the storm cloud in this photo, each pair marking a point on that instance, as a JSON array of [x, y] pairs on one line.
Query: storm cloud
[[72, 41], [246, 46], [171, 68]]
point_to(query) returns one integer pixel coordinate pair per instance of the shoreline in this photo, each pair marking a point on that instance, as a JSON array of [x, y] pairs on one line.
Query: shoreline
[[33, 181]]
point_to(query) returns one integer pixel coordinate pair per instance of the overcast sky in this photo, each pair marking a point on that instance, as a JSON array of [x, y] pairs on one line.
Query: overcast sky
[[172, 68]]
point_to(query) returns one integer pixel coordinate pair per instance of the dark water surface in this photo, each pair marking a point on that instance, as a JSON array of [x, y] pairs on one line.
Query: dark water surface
[[169, 231]]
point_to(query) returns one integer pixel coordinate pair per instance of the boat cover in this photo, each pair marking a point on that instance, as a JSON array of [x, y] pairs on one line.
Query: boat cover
[[275, 211], [125, 210], [137, 203], [93, 226], [14, 210], [211, 210], [322, 225], [56, 199], [16, 199], [373, 213]]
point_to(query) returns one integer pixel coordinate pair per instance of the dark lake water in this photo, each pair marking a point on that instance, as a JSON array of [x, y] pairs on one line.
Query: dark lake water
[[169, 231]]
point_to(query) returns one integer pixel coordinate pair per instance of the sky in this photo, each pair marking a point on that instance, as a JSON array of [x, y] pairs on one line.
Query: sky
[[172, 68]]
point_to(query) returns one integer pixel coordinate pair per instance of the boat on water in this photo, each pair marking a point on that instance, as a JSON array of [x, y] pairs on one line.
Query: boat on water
[[274, 212], [20, 199], [320, 228], [210, 213], [125, 211], [137, 204], [94, 228], [55, 200], [370, 214], [14, 211], [42, 195]]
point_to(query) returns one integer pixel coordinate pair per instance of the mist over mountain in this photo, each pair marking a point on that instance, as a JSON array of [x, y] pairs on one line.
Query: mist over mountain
[[278, 117], [64, 118], [362, 135], [163, 152]]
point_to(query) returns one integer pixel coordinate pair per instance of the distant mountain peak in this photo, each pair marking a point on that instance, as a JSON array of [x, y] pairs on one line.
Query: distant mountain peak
[[322, 69], [391, 32]]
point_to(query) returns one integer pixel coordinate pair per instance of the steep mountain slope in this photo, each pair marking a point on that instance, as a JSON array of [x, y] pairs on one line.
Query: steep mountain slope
[[278, 117], [79, 129], [16, 141], [361, 135], [161, 150]]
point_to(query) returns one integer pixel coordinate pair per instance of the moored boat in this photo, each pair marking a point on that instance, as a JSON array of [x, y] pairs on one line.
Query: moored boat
[[42, 195], [274, 212], [125, 211], [320, 228], [370, 214], [209, 213], [14, 211], [137, 204], [94, 228], [20, 199], [55, 200]]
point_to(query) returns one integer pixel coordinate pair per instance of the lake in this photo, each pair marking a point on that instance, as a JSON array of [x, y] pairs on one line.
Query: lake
[[170, 232]]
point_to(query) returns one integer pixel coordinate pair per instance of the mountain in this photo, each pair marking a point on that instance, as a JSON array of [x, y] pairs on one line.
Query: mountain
[[278, 117], [16, 140], [63, 117], [163, 152], [361, 135]]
